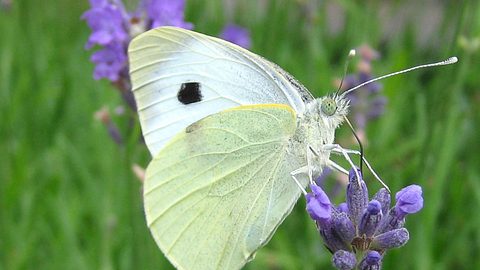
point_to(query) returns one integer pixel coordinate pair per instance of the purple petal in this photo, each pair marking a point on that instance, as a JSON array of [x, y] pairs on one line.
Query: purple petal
[[237, 35], [107, 23], [371, 261], [373, 257], [342, 207], [167, 12], [318, 204], [409, 200]]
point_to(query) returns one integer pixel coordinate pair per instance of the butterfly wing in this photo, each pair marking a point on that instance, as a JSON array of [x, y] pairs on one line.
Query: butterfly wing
[[179, 76], [219, 189]]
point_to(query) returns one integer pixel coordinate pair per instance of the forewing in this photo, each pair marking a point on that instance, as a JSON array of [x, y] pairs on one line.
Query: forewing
[[164, 59], [218, 190]]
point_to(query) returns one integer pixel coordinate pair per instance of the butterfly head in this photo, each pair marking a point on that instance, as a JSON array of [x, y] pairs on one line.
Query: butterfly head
[[328, 111], [333, 108]]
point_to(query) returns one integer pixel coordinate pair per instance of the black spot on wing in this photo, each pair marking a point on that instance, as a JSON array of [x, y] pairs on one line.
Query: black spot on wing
[[190, 92]]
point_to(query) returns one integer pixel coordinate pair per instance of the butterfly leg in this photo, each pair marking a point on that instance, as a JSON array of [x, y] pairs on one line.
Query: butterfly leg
[[370, 168], [338, 149], [308, 169], [302, 170], [310, 152], [337, 167]]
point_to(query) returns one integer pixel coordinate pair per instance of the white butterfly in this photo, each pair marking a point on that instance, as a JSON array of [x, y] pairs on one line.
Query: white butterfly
[[228, 130]]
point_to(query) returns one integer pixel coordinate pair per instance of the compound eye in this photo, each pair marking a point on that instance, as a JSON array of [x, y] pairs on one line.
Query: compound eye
[[329, 106]]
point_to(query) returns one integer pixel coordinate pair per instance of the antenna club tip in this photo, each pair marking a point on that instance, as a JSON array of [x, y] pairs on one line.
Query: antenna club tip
[[352, 53], [452, 60]]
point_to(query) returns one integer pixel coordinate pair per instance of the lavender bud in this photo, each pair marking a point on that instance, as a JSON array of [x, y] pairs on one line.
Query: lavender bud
[[370, 219], [391, 239], [330, 236], [409, 201], [343, 227], [390, 222], [344, 260], [371, 261], [357, 196], [318, 204], [383, 197]]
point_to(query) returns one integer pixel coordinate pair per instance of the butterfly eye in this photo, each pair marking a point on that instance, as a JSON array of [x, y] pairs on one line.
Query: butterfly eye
[[329, 106]]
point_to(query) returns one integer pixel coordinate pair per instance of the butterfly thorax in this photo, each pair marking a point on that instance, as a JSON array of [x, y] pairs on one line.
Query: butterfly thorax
[[315, 128]]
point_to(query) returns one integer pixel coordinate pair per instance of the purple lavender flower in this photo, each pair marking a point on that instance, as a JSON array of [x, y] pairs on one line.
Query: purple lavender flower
[[113, 28], [167, 12], [409, 201], [318, 204], [107, 23], [109, 62], [237, 35], [359, 228]]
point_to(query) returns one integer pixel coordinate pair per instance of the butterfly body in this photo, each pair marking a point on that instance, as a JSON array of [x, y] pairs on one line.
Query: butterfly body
[[315, 129]]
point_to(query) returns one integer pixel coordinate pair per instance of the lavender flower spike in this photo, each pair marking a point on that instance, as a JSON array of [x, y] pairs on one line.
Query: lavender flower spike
[[318, 204], [344, 260], [357, 196], [409, 201], [371, 261], [362, 229]]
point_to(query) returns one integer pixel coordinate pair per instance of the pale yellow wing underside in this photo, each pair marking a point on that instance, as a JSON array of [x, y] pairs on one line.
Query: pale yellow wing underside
[[218, 190]]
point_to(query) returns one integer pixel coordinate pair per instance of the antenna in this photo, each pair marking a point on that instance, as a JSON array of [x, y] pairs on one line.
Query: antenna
[[359, 143], [351, 54], [449, 61]]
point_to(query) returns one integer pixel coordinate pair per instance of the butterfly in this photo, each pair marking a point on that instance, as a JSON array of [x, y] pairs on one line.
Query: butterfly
[[234, 140]]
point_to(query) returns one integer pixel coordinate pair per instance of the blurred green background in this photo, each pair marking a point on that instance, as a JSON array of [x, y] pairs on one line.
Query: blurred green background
[[69, 199]]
